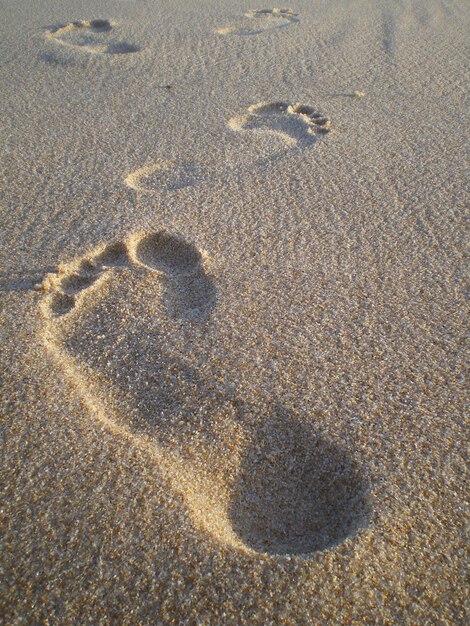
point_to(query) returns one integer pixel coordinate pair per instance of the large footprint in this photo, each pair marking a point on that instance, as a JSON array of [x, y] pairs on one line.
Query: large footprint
[[258, 483], [260, 21], [94, 36]]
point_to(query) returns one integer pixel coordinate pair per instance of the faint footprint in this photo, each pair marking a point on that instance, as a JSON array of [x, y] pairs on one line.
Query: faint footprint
[[297, 125], [256, 22], [165, 175], [94, 36], [188, 291]]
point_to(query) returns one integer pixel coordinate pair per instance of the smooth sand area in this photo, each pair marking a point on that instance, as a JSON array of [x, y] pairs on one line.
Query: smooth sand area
[[233, 311]]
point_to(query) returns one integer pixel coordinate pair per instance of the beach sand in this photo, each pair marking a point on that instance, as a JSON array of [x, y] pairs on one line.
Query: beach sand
[[233, 311]]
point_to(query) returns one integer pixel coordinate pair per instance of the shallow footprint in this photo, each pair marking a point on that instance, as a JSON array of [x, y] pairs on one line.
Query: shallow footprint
[[94, 36], [256, 22], [298, 125], [188, 291], [165, 175]]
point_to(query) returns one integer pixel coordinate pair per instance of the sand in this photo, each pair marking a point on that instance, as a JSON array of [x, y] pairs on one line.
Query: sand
[[233, 311]]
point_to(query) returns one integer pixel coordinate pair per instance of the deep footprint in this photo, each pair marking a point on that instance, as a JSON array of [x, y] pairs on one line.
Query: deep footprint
[[297, 124], [188, 291], [92, 36], [256, 22], [270, 486]]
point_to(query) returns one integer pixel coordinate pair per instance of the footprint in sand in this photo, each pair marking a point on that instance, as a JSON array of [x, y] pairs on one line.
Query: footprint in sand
[[297, 124], [259, 483], [94, 36], [256, 22], [164, 176]]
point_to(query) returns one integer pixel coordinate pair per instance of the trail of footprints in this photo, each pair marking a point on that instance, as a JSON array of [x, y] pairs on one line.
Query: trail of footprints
[[97, 37], [93, 36], [294, 492], [256, 22], [299, 125]]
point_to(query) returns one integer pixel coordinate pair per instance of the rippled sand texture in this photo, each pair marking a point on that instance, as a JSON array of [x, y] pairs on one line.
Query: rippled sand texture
[[233, 312]]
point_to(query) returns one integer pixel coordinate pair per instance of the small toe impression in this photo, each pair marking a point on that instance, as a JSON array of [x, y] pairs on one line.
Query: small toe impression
[[114, 255], [168, 253], [296, 492], [75, 283]]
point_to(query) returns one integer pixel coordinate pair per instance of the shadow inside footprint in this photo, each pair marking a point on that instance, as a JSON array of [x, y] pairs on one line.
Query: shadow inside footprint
[[61, 303], [122, 47], [75, 283], [102, 26], [296, 493], [114, 255]]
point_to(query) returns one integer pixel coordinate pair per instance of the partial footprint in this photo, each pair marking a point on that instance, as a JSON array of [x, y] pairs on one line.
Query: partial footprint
[[188, 291], [165, 175], [94, 36], [256, 22], [297, 125]]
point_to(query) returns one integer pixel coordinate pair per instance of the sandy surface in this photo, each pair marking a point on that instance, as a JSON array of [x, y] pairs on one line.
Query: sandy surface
[[235, 395]]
